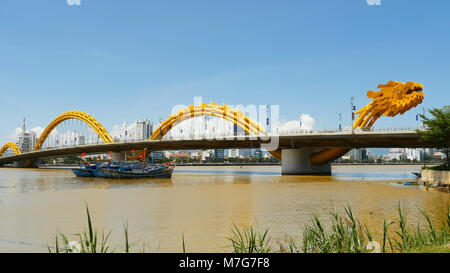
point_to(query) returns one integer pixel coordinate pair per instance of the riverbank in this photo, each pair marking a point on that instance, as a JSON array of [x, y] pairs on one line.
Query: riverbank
[[436, 178], [58, 166]]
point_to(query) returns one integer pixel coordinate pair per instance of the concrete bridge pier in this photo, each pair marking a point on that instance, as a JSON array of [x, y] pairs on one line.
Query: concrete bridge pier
[[296, 162], [119, 156], [23, 164]]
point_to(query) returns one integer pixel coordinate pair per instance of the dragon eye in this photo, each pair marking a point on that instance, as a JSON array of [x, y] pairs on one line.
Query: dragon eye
[[409, 91]]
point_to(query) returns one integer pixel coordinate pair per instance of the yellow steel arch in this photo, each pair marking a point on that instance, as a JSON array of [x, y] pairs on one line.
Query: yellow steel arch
[[12, 146], [212, 109], [84, 117]]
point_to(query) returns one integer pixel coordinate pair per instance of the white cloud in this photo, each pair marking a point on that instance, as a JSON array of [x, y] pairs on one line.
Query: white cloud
[[119, 130], [306, 122], [37, 130], [15, 134], [290, 125]]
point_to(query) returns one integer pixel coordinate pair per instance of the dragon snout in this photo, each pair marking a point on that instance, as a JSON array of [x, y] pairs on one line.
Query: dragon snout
[[413, 87]]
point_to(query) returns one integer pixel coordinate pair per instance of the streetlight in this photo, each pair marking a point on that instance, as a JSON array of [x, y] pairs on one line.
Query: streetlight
[[340, 122], [423, 128], [353, 108]]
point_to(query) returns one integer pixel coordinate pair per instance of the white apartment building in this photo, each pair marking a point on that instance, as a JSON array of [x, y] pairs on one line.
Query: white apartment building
[[144, 130], [26, 140]]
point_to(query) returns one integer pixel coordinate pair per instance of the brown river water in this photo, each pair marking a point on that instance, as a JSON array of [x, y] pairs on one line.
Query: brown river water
[[200, 202]]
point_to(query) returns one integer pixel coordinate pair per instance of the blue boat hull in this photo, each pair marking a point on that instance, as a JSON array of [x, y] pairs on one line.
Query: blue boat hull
[[123, 171], [164, 172], [83, 173]]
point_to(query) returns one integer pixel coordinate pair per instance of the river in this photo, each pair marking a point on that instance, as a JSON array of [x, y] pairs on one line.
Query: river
[[200, 202]]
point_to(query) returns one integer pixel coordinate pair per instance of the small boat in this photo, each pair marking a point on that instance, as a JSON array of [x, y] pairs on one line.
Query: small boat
[[409, 183], [163, 171], [86, 170], [124, 170], [82, 172]]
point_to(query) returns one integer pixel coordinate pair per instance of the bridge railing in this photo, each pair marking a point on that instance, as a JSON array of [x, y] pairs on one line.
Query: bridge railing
[[349, 130], [333, 131]]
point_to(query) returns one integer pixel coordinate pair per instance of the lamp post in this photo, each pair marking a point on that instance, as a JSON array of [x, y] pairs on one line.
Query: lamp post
[[340, 122], [353, 114], [423, 128]]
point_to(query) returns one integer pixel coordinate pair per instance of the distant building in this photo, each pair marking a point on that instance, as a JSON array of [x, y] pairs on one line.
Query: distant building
[[245, 152], [414, 154], [233, 153], [219, 153], [179, 156], [81, 140], [144, 130], [358, 155], [195, 154], [396, 153], [26, 140], [405, 154], [158, 155], [207, 154]]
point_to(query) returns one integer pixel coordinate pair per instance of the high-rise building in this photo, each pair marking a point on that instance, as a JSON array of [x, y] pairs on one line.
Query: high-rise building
[[414, 154], [144, 129], [26, 140], [219, 153], [358, 154]]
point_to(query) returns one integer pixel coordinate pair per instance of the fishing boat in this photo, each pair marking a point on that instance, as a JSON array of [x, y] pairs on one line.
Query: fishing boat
[[162, 171], [86, 170], [124, 170]]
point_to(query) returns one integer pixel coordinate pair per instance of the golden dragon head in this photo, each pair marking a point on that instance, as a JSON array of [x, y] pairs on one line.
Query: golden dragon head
[[393, 98]]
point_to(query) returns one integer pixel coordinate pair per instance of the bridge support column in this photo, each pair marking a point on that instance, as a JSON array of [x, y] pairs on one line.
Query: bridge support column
[[296, 162], [119, 156], [23, 164]]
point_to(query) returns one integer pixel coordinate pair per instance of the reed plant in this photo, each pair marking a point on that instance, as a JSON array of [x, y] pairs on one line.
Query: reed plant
[[348, 235], [88, 240], [344, 234], [249, 240]]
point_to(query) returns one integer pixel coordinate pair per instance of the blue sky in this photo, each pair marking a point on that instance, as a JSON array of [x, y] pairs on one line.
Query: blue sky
[[127, 60]]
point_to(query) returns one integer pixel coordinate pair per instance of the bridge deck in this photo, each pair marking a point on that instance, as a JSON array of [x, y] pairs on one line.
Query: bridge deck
[[320, 140]]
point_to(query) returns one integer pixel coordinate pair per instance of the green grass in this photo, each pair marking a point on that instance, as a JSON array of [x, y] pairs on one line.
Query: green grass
[[346, 234], [249, 240], [87, 240]]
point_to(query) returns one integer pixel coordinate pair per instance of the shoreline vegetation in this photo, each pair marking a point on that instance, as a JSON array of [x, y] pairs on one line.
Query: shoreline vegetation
[[345, 234], [437, 168]]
